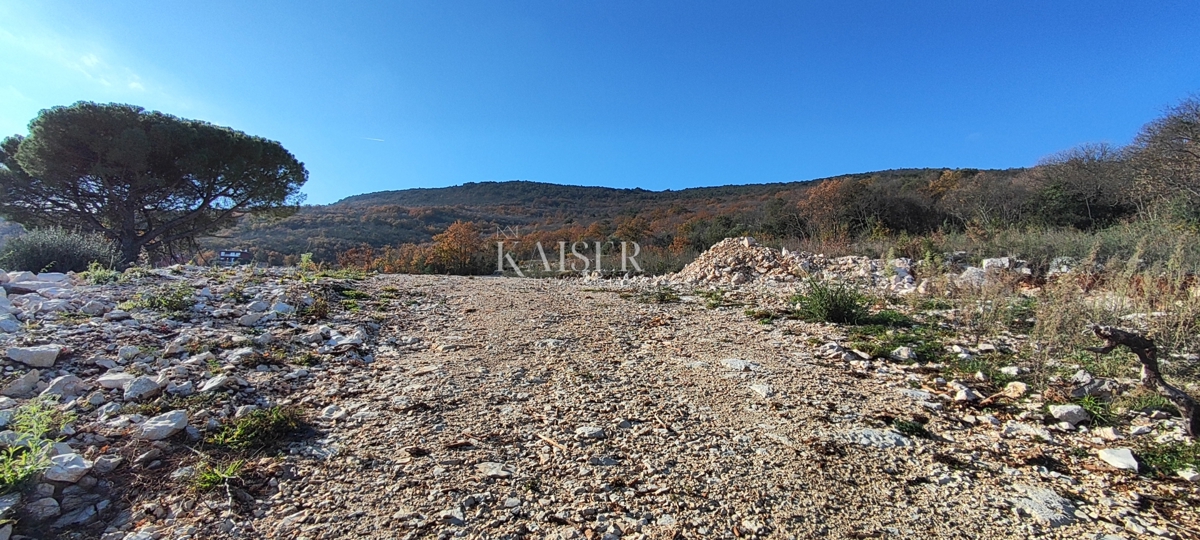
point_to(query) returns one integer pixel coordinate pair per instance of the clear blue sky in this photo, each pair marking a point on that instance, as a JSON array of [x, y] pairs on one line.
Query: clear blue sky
[[391, 95]]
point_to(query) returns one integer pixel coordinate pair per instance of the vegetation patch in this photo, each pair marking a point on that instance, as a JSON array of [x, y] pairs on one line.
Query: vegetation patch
[[98, 274], [911, 429], [837, 303], [209, 477], [1100, 410], [261, 429], [1164, 459], [879, 341], [36, 424], [763, 316], [1142, 399], [56, 250], [174, 298]]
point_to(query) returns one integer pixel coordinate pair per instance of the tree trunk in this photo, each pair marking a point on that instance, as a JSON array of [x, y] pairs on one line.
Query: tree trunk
[[130, 250], [1147, 354]]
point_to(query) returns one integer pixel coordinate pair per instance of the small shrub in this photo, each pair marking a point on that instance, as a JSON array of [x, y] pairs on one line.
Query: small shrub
[[763, 316], [319, 310], [57, 250], [262, 428], [355, 294], [823, 302], [98, 274], [209, 477], [171, 298], [306, 262]]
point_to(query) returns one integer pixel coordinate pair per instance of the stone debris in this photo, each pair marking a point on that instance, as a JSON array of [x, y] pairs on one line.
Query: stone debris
[[1044, 505], [1071, 414], [877, 438], [1121, 458], [505, 408]]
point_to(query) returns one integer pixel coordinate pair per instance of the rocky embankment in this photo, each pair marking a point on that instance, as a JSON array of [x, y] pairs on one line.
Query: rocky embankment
[[516, 408]]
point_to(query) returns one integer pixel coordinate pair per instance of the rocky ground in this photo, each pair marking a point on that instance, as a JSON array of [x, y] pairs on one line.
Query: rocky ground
[[495, 407]]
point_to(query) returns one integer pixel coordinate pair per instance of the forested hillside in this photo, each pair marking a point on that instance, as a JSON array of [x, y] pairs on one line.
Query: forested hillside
[[692, 218]]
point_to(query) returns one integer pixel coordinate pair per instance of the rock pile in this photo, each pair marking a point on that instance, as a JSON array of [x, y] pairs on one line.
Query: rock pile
[[736, 261], [741, 260]]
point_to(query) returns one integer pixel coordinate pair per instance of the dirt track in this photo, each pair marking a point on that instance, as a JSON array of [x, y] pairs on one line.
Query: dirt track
[[552, 409]]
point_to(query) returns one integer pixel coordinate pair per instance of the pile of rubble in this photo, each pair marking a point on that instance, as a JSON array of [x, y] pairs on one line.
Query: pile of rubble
[[741, 260], [736, 261]]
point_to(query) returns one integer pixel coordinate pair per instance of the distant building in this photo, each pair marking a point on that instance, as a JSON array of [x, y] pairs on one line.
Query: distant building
[[230, 258]]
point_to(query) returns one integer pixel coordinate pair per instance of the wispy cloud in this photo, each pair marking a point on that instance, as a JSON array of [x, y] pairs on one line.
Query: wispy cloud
[[372, 139]]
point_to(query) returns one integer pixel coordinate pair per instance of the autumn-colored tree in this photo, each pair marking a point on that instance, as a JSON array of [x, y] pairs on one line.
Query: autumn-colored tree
[[459, 250], [632, 229], [826, 206]]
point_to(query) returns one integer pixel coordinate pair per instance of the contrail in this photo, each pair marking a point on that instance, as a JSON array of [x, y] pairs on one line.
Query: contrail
[[373, 139]]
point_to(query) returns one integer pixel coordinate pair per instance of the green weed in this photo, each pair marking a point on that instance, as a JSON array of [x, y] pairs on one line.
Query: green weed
[[175, 297], [98, 274], [261, 428], [36, 424], [822, 302], [1101, 410], [661, 295], [911, 429], [209, 477], [1166, 458]]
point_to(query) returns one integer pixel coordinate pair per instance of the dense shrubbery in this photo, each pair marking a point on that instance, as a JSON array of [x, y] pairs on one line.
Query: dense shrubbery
[[56, 250]]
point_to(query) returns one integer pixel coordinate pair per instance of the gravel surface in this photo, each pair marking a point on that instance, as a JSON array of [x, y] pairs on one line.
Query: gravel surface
[[518, 408]]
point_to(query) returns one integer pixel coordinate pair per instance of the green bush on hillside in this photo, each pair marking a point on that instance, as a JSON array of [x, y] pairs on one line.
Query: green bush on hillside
[[56, 250]]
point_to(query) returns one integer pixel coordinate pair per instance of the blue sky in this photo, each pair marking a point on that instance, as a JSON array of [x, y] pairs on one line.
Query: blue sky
[[658, 95]]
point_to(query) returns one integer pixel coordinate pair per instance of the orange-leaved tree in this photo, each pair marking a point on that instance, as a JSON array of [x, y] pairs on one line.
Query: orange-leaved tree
[[460, 250]]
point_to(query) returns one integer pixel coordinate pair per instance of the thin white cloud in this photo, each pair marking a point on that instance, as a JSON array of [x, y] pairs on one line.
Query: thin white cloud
[[373, 139]]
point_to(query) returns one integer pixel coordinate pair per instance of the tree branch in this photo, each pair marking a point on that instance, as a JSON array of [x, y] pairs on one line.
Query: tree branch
[[1147, 354]]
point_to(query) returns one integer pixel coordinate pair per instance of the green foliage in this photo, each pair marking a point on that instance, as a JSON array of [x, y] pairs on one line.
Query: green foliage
[[98, 274], [39, 418], [1167, 458], [822, 302], [714, 299], [56, 249], [306, 263], [354, 294], [35, 423], [319, 310], [1101, 410], [262, 428], [176, 297], [160, 176], [209, 477], [879, 341]]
